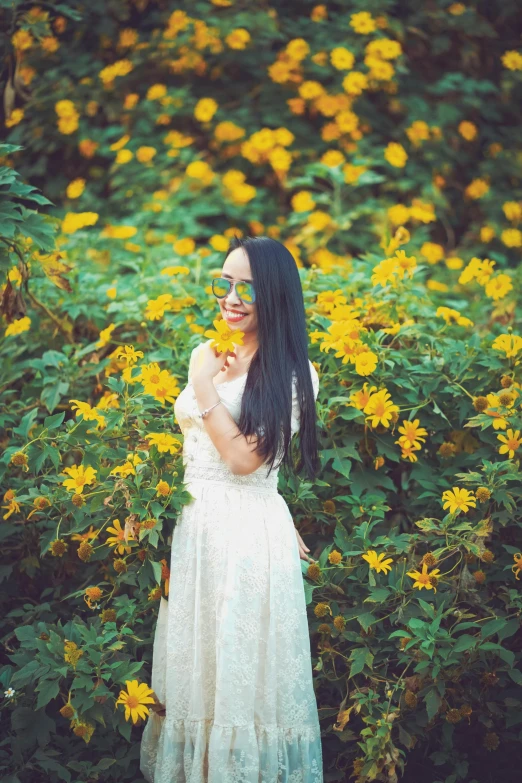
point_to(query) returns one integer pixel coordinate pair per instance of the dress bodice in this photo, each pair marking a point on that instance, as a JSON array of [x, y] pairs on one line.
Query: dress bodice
[[201, 458]]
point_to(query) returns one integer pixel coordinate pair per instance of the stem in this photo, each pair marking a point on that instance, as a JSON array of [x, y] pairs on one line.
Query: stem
[[52, 316]]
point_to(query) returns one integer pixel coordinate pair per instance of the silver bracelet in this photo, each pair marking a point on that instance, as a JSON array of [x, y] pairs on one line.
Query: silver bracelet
[[207, 410]]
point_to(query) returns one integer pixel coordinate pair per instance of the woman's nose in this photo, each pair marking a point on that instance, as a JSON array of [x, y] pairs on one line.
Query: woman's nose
[[232, 298]]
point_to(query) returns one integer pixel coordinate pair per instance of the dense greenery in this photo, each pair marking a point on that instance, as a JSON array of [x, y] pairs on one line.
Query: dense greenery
[[380, 142]]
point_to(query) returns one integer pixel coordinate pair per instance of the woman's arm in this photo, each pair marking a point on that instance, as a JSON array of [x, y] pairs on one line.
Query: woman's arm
[[238, 453]]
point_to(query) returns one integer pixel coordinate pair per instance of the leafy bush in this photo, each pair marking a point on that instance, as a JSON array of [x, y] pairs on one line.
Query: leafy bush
[[401, 205]]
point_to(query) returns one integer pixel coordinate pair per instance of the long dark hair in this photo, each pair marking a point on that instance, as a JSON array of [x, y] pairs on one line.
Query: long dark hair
[[283, 349]]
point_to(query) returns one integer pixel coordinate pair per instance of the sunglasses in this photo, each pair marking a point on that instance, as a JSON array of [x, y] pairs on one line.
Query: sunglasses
[[221, 287]]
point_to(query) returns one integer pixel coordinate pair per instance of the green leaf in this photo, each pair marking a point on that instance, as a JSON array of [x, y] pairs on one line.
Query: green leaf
[[366, 620], [156, 567], [52, 422], [432, 701], [26, 423], [105, 763], [360, 658], [47, 690], [378, 596], [464, 642], [309, 591], [510, 627], [342, 538]]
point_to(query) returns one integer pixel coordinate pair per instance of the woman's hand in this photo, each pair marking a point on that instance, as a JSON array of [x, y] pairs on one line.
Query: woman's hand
[[208, 362], [303, 549]]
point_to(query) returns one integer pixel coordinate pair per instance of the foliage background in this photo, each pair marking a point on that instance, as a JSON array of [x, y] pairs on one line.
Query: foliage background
[[140, 136]]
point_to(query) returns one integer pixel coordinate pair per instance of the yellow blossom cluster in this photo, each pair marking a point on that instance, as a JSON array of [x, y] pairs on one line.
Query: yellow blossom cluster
[[343, 336], [89, 413], [74, 221], [495, 286], [391, 270], [453, 316], [269, 146], [110, 72], [411, 439], [68, 117], [236, 188]]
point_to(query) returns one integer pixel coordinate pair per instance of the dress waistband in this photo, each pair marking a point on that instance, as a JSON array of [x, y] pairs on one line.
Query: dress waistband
[[222, 476]]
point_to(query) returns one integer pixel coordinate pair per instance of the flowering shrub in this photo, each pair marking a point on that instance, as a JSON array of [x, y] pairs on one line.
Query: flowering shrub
[[381, 148]]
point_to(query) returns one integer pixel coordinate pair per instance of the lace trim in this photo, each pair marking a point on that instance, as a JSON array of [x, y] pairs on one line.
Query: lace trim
[[222, 475]]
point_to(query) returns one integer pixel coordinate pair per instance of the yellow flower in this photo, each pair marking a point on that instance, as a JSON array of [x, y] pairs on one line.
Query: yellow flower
[[156, 307], [377, 562], [124, 156], [354, 83], [145, 154], [512, 60], [128, 468], [74, 221], [468, 130], [517, 568], [22, 40], [118, 68], [395, 154], [156, 91], [162, 488], [159, 384], [88, 413], [80, 476], [477, 188], [13, 506], [135, 699], [342, 59], [75, 188], [302, 201], [498, 286], [205, 109], [118, 145], [511, 441], [510, 344], [224, 339], [184, 247], [87, 536], [512, 210], [360, 398], [366, 362], [164, 442], [92, 594], [379, 408], [105, 335], [117, 540], [129, 353], [412, 434], [14, 118], [458, 499], [119, 232], [238, 39], [18, 327], [175, 270], [363, 23], [71, 653], [423, 579]]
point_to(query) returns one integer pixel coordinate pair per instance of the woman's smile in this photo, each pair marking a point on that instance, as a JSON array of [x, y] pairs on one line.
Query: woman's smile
[[233, 316]]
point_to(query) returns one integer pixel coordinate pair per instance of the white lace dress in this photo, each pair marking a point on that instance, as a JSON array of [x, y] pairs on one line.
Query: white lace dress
[[231, 655]]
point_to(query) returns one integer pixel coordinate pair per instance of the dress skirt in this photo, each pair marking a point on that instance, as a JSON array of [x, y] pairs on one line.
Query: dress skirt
[[231, 656]]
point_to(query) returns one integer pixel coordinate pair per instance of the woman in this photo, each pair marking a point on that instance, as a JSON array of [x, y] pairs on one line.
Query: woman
[[231, 657]]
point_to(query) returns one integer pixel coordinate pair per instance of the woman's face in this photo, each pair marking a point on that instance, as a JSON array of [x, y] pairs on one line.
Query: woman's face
[[238, 314]]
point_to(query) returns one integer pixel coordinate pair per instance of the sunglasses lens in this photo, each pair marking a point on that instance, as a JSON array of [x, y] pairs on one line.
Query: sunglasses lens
[[220, 286], [245, 291]]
